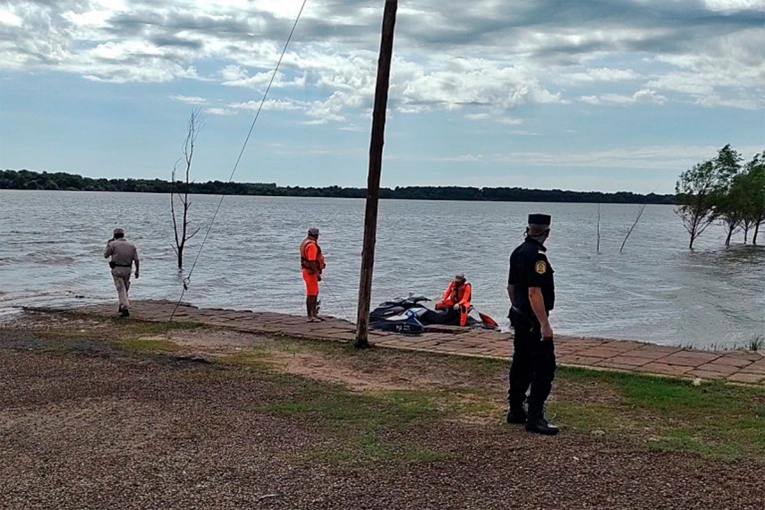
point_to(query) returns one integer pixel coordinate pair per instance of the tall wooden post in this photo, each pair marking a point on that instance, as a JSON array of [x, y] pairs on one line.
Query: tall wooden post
[[375, 169]]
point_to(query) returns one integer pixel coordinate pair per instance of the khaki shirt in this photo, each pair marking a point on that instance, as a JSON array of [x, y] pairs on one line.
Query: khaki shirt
[[122, 252]]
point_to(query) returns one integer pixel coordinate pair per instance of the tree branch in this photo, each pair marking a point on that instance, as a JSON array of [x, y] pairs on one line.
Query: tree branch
[[195, 233]]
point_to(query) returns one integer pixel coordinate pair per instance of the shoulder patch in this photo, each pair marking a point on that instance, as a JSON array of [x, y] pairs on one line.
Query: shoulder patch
[[540, 267]]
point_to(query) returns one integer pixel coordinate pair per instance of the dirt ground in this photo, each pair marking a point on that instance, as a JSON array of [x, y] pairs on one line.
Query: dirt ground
[[85, 424]]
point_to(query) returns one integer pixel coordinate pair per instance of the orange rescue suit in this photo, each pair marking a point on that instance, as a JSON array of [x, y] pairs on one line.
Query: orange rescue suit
[[310, 251], [457, 294]]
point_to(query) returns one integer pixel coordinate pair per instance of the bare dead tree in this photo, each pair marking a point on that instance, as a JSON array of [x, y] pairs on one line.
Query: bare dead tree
[[598, 247], [629, 232], [637, 220], [182, 235]]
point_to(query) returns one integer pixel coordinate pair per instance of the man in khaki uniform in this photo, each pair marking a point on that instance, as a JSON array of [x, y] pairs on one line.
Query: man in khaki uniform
[[123, 254]]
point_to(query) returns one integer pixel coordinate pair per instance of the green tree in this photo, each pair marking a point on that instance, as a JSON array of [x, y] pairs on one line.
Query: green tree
[[695, 191], [731, 194], [754, 206]]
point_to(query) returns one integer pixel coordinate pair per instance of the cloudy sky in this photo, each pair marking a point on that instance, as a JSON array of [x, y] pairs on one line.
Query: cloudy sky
[[587, 94]]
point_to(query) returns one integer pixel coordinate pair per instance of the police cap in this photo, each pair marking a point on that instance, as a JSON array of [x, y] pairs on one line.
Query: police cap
[[539, 219]]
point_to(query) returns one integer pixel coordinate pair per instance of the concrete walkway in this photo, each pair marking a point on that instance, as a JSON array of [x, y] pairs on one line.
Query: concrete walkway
[[734, 366]]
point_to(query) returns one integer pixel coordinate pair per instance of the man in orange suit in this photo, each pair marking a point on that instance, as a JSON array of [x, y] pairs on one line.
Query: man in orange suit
[[312, 265], [456, 299]]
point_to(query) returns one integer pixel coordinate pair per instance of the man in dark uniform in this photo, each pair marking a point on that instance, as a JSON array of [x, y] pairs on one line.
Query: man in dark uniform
[[532, 294]]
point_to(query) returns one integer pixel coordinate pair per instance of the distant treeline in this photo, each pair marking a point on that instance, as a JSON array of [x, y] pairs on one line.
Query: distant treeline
[[25, 179]]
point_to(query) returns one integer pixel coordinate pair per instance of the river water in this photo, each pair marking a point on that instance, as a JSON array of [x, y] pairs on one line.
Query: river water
[[51, 245]]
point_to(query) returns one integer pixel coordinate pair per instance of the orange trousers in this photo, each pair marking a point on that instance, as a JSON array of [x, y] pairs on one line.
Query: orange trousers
[[311, 280]]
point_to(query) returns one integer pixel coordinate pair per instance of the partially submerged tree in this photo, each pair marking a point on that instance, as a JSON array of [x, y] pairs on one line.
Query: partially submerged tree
[[182, 234], [754, 207], [695, 198], [731, 207], [730, 194], [721, 189], [703, 194]]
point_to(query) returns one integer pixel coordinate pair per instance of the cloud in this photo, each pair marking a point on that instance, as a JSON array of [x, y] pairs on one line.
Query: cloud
[[236, 76], [596, 75], [190, 99], [220, 111], [269, 104], [463, 158], [510, 121], [9, 18], [648, 96], [448, 54], [641, 96], [664, 157]]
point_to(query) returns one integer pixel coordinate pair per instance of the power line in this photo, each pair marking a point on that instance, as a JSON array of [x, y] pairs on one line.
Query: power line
[[187, 280]]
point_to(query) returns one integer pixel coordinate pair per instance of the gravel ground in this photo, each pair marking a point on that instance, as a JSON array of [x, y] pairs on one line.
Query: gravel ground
[[99, 431]]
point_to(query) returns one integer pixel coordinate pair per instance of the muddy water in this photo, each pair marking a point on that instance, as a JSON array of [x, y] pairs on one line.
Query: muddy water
[[51, 247]]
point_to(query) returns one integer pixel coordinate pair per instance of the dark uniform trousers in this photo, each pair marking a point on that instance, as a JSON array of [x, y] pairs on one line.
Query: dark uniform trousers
[[533, 364]]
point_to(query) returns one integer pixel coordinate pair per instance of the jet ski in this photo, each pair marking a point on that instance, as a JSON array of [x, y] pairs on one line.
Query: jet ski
[[409, 315]]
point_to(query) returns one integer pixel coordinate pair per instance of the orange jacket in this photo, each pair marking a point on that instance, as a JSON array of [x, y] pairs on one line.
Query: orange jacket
[[306, 257], [456, 295]]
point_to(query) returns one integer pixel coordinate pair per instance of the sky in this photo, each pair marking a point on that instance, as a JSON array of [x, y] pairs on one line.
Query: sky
[[585, 95]]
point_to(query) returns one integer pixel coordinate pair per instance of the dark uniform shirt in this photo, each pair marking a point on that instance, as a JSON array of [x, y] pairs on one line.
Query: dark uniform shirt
[[529, 267]]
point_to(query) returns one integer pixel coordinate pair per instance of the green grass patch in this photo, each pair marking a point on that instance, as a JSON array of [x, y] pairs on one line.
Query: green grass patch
[[146, 345], [594, 417], [337, 409], [255, 357], [483, 366], [716, 420], [149, 328], [359, 426]]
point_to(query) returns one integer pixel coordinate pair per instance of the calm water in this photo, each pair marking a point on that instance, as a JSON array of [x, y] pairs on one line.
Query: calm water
[[51, 253]]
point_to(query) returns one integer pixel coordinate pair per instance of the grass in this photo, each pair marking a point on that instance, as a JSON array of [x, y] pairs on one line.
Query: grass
[[147, 345], [361, 429], [256, 357], [757, 343], [145, 328], [715, 420]]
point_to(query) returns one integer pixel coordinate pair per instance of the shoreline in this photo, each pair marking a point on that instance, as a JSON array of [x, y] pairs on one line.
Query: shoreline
[[736, 366], [413, 199]]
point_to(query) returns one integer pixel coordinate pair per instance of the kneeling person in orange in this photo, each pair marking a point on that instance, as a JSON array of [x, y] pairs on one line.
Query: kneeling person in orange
[[456, 299], [312, 264]]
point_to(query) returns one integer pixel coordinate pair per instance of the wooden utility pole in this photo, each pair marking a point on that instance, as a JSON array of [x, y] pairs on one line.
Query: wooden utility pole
[[375, 169]]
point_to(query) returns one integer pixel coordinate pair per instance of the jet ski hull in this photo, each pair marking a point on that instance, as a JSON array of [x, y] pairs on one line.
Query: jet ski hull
[[410, 316]]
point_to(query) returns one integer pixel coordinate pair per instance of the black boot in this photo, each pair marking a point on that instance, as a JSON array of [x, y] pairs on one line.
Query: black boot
[[124, 312], [537, 424], [516, 416]]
